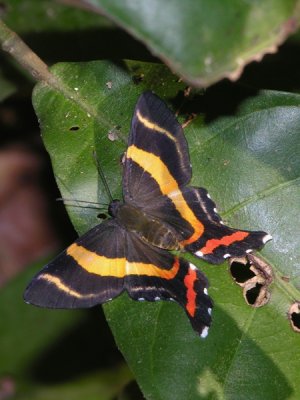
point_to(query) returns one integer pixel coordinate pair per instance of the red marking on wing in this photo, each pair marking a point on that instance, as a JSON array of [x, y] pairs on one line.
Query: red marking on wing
[[191, 295], [227, 240]]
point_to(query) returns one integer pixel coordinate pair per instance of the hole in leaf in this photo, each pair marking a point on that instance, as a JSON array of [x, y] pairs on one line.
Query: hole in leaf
[[256, 294], [241, 272], [74, 128], [296, 320], [253, 293], [294, 316], [255, 276]]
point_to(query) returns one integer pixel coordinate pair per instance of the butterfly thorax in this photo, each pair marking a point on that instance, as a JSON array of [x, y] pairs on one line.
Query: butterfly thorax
[[149, 229]]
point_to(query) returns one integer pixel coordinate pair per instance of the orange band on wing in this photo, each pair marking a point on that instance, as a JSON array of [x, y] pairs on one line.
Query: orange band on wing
[[96, 264], [212, 244], [191, 295], [117, 267], [168, 186]]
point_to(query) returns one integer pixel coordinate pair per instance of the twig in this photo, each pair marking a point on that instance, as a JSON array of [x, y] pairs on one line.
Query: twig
[[14, 45]]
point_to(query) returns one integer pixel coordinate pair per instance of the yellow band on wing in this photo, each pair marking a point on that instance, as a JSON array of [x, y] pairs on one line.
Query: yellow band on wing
[[63, 287], [117, 267], [95, 264], [155, 167], [151, 125], [168, 186]]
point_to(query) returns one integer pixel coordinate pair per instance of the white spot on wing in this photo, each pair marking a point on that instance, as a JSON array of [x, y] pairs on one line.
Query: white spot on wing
[[141, 299], [266, 238], [192, 266], [204, 332], [156, 298], [209, 311], [199, 253], [205, 291], [227, 255]]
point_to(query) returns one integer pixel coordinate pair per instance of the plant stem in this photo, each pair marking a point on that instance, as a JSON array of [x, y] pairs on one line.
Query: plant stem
[[14, 45]]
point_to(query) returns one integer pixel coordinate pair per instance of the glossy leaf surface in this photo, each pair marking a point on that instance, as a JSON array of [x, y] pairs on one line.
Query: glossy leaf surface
[[204, 41], [249, 162]]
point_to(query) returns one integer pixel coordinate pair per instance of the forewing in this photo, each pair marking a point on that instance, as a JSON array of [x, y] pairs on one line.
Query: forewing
[[157, 159], [90, 271]]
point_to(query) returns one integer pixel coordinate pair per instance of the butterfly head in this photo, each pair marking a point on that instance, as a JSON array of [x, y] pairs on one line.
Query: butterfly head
[[113, 207]]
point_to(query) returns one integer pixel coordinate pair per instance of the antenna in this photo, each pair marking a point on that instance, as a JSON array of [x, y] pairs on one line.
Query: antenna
[[102, 177], [88, 204]]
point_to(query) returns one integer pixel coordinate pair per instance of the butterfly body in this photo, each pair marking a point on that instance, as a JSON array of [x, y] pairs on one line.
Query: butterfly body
[[150, 230], [159, 212]]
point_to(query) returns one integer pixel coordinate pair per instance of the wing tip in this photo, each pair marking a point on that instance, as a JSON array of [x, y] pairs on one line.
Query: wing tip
[[26, 299]]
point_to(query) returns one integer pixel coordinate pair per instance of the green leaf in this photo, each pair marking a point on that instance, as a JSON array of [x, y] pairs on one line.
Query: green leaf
[[21, 323], [30, 16], [205, 40], [249, 161]]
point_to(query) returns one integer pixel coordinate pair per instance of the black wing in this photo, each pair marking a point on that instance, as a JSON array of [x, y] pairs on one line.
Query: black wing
[[159, 275], [108, 260], [157, 158], [89, 272], [156, 172]]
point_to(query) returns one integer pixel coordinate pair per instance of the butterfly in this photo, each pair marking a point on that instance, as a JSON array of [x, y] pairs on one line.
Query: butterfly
[[160, 212]]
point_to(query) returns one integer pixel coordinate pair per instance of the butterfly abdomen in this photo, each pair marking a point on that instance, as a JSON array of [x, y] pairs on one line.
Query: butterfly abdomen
[[150, 230]]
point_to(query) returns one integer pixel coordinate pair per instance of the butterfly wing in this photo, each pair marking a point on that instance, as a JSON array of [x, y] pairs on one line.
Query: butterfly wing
[[157, 158], [157, 170], [211, 239], [89, 272], [108, 260], [156, 274]]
